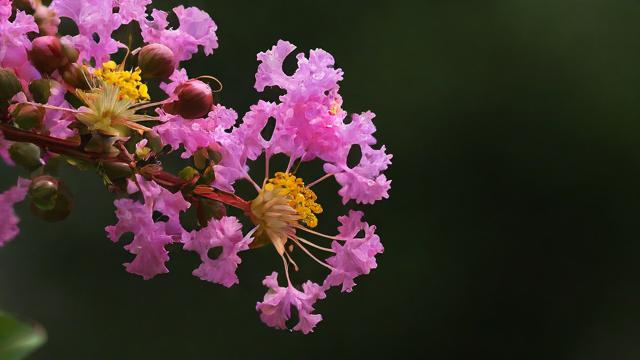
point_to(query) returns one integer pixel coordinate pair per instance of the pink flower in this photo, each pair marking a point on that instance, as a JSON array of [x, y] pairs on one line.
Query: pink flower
[[96, 22], [150, 237], [357, 255], [197, 133], [275, 309], [14, 42], [196, 29], [227, 234], [4, 151], [130, 10], [9, 225], [56, 121]]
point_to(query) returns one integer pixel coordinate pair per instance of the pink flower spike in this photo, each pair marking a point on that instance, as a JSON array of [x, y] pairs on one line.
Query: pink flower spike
[[275, 309], [227, 234], [9, 225]]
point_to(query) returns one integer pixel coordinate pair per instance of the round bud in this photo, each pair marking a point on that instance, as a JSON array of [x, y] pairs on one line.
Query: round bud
[[195, 100], [41, 90], [28, 116], [50, 199], [46, 54], [156, 61], [26, 155], [70, 52], [116, 170], [77, 76], [43, 192], [9, 85]]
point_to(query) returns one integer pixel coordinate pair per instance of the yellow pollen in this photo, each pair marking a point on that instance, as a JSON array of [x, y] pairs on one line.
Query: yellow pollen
[[301, 199], [335, 108], [129, 82]]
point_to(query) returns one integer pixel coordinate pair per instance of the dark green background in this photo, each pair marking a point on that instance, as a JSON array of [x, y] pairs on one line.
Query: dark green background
[[511, 232]]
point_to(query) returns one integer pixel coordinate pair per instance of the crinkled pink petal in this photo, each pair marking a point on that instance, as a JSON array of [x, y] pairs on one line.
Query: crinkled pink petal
[[178, 77], [57, 122], [196, 29], [356, 255], [275, 309], [196, 133], [227, 234], [14, 44], [149, 238], [9, 225], [130, 10], [4, 151], [164, 201]]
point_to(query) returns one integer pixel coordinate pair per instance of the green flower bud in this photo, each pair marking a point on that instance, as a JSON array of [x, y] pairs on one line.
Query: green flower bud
[[41, 90], [195, 100], [77, 76], [28, 116], [9, 85], [43, 192], [69, 51], [46, 54], [154, 141], [26, 155], [188, 173], [117, 170], [102, 145], [156, 61]]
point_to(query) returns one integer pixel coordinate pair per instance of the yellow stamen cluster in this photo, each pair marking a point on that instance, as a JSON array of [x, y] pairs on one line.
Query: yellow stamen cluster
[[301, 198], [129, 82]]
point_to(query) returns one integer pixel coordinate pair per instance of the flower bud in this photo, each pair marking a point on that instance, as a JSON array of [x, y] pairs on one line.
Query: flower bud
[[70, 52], [50, 199], [77, 76], [102, 145], [46, 54], [43, 192], [195, 100], [117, 170], [47, 20], [9, 85], [26, 155], [41, 90], [156, 61], [28, 116]]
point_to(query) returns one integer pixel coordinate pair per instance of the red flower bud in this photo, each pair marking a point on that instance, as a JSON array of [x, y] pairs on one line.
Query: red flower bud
[[195, 100], [46, 54], [156, 61]]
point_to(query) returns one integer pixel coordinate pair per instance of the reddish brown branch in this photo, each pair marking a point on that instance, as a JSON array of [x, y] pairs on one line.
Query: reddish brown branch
[[161, 177]]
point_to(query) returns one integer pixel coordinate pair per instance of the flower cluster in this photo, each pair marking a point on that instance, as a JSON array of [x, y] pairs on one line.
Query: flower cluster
[[77, 98]]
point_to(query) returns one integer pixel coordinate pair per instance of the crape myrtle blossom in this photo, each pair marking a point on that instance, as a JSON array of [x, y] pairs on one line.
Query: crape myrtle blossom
[[9, 225], [92, 109]]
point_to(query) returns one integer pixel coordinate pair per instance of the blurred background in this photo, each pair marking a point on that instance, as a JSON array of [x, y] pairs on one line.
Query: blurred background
[[512, 228]]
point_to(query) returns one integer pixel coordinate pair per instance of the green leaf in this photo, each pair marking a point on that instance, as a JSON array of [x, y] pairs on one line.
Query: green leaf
[[18, 340]]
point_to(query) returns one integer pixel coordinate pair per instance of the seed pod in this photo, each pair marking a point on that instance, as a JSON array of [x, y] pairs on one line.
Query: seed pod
[[77, 76], [9, 85], [46, 54], [26, 155], [156, 61], [28, 116], [195, 100]]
